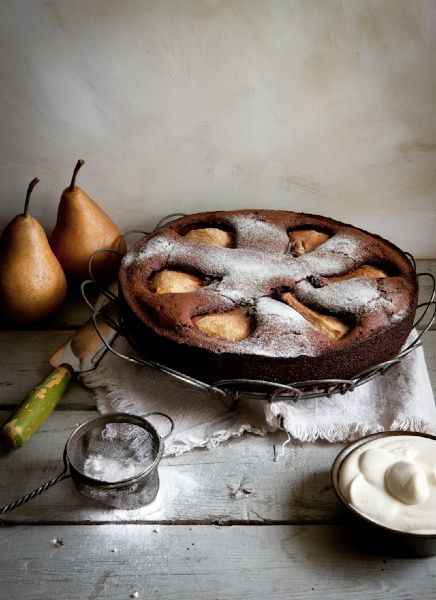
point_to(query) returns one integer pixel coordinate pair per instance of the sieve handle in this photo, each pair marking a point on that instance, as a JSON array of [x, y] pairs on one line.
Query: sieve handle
[[39, 490], [166, 417]]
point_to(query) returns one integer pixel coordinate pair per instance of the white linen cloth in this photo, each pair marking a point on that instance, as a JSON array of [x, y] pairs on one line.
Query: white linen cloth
[[400, 399]]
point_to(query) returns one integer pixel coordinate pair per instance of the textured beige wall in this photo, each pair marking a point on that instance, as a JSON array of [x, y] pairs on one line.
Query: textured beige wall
[[326, 106]]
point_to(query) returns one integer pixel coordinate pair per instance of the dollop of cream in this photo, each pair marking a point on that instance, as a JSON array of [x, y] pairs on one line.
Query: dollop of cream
[[407, 482], [391, 480]]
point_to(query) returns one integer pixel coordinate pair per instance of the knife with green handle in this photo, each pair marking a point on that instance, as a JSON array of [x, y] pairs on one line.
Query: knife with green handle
[[80, 353], [37, 406]]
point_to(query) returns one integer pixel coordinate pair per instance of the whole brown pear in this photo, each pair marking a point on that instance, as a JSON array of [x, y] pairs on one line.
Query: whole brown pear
[[82, 227], [32, 282]]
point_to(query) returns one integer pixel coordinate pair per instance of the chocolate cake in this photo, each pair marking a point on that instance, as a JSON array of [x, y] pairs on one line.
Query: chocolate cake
[[266, 295]]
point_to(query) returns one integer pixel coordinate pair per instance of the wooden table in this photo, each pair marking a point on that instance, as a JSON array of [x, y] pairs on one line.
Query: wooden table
[[230, 523]]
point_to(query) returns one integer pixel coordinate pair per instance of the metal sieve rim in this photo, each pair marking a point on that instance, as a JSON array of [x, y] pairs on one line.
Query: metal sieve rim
[[116, 417]]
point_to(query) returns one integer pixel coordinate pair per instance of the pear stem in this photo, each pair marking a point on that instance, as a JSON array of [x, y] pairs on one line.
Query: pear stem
[[29, 191], [77, 168]]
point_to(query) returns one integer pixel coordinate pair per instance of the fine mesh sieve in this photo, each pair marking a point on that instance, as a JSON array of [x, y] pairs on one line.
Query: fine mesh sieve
[[112, 459]]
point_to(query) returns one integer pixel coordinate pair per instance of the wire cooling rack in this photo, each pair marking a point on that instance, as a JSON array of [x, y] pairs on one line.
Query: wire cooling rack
[[233, 389]]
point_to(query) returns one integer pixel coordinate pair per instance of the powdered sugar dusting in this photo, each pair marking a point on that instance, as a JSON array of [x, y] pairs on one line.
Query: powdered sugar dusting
[[159, 245], [281, 331], [398, 316], [245, 274], [281, 311], [358, 296], [340, 253], [342, 243], [129, 259], [252, 232], [103, 468]]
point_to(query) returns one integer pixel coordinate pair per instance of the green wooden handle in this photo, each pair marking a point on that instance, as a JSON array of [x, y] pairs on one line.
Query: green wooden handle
[[37, 406]]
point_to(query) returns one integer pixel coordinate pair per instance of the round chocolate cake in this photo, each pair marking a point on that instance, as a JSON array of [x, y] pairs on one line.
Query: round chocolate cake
[[266, 295]]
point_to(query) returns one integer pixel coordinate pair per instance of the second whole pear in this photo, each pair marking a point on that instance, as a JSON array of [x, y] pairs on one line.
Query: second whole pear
[[82, 227]]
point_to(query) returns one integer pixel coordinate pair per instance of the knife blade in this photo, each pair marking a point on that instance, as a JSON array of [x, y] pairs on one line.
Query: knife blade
[[81, 352]]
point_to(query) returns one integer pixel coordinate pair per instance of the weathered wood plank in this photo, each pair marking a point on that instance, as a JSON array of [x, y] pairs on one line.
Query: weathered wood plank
[[201, 562], [237, 482], [24, 362], [24, 359], [71, 315]]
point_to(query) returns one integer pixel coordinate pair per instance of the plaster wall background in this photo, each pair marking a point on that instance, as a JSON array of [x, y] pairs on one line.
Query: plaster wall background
[[325, 106]]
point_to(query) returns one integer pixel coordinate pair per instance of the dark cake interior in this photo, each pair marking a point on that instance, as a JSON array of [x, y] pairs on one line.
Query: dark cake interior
[[266, 295]]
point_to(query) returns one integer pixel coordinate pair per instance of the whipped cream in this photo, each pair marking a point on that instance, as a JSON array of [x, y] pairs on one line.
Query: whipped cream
[[392, 481]]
